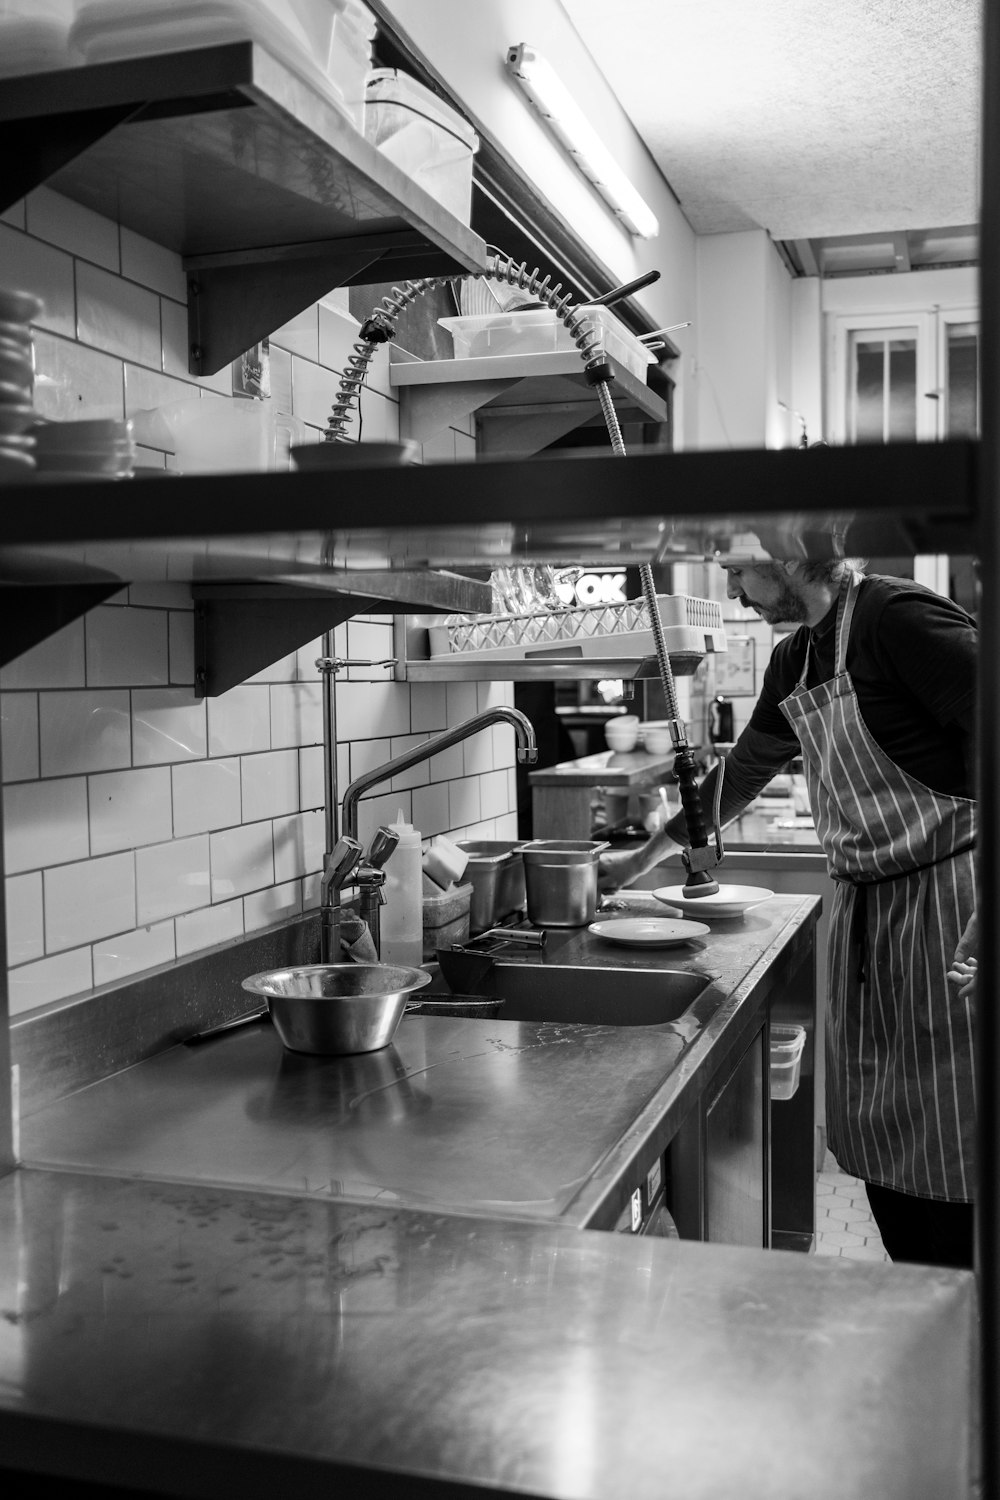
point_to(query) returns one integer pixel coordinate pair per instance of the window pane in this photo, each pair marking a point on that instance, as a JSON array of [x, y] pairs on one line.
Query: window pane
[[962, 380], [902, 425], [869, 390]]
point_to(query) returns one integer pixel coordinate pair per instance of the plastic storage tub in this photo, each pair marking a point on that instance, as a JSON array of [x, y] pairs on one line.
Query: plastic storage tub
[[533, 331], [787, 1043], [424, 136], [446, 919], [620, 343], [327, 42]]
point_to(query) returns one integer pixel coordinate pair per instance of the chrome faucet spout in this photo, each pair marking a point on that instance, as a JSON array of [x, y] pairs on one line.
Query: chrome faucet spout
[[527, 754]]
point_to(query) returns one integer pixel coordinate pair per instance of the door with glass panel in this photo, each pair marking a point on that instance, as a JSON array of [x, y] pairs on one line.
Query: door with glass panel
[[912, 380]]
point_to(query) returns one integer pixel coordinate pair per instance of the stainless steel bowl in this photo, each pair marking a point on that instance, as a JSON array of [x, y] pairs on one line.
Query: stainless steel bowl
[[335, 1009]]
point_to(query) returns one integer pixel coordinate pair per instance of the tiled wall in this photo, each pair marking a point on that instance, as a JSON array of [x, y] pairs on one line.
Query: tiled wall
[[140, 822]]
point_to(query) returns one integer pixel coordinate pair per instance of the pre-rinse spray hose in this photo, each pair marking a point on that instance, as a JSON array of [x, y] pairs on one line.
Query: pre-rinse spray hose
[[380, 328]]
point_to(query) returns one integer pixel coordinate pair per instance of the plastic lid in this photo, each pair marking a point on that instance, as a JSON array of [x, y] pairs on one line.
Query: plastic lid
[[388, 85]]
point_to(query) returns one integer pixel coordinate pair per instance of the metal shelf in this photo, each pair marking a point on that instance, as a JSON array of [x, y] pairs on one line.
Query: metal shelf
[[225, 155], [523, 402]]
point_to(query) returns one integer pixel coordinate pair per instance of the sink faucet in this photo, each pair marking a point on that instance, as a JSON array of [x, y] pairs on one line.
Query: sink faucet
[[527, 754]]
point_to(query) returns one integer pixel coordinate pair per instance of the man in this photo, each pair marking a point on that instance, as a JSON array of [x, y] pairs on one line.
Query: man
[[876, 692]]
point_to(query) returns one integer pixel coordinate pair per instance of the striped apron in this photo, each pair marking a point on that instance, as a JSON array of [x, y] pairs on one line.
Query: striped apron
[[900, 1098]]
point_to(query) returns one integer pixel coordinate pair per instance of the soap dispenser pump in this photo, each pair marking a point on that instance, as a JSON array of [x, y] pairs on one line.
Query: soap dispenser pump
[[402, 925]]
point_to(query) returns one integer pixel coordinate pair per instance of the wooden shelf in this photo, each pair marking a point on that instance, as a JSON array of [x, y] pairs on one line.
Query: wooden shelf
[[254, 177]]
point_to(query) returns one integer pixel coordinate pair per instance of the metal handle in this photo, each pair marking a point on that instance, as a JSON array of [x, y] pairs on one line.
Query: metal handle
[[620, 292]]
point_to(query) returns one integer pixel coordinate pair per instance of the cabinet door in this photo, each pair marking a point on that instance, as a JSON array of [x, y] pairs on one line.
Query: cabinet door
[[735, 1181]]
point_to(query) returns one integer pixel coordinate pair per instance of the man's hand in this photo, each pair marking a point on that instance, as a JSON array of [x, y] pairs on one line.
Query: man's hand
[[965, 964], [618, 868]]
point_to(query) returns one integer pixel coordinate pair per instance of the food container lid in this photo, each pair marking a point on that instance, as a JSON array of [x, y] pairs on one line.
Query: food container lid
[[561, 851]]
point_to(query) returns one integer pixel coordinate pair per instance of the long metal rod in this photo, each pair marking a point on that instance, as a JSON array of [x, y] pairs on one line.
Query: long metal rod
[[988, 1028]]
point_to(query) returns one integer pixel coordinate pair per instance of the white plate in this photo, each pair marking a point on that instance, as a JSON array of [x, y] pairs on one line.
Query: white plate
[[648, 932], [731, 900]]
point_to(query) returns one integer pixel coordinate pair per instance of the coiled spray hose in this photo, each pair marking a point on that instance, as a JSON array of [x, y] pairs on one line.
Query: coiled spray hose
[[380, 328]]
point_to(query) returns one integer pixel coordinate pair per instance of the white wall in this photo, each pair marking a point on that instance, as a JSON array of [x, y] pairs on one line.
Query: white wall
[[142, 823]]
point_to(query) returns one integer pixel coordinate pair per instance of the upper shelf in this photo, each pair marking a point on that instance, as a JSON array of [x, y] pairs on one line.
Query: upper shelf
[[589, 509], [225, 155], [522, 402]]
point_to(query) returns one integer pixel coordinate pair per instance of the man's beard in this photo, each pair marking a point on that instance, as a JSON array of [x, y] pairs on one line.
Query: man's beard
[[786, 609]]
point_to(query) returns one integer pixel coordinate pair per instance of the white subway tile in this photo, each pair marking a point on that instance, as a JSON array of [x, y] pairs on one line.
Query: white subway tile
[[493, 794], [339, 331], [372, 710], [447, 764], [465, 447], [299, 843], [369, 642], [374, 811], [307, 656], [168, 724], [478, 752], [506, 827], [314, 391], [296, 714], [343, 769], [418, 775], [283, 670], [311, 891], [174, 336], [117, 316], [56, 662], [206, 796], [73, 382], [161, 596], [428, 707], [89, 900], [368, 755], [25, 929], [180, 638], [172, 878], [281, 389], [19, 736], [239, 721], [211, 925], [300, 335], [145, 389], [153, 265], [127, 648], [84, 731], [45, 823], [132, 952], [430, 809], [462, 699], [312, 791], [463, 801], [379, 417], [129, 808], [242, 860], [278, 904], [32, 266], [49, 979], [71, 226], [270, 784]]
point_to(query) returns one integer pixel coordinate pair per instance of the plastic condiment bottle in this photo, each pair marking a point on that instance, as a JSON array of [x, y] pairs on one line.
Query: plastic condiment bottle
[[402, 918]]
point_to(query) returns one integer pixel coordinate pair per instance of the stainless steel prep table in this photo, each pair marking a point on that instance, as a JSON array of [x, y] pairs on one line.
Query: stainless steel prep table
[[491, 1117], [212, 1342]]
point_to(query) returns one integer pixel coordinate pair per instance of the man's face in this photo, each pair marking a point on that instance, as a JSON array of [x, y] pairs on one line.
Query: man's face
[[767, 588]]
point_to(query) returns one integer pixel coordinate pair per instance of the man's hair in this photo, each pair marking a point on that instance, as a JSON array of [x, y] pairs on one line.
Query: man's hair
[[832, 570]]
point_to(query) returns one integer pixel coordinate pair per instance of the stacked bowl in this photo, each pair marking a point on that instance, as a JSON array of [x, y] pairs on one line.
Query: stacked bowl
[[17, 385], [96, 448]]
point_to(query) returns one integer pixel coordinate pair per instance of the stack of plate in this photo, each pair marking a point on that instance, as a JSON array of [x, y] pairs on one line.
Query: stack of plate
[[96, 449], [17, 384]]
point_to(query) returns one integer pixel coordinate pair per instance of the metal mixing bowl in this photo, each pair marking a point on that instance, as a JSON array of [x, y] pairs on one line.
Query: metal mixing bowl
[[337, 1008]]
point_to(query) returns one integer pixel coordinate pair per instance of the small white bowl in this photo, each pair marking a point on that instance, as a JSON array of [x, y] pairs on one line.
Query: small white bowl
[[657, 741], [621, 737]]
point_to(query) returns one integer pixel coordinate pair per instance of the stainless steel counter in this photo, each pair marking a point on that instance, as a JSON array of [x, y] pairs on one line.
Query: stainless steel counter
[[528, 1120], [208, 1342]]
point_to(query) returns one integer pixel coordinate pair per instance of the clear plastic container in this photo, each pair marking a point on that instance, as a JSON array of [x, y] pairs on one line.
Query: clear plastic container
[[424, 136], [401, 927], [787, 1043], [533, 331], [446, 919], [327, 42], [620, 343]]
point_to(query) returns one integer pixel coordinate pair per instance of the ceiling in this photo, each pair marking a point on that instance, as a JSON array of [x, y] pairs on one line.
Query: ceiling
[[847, 121]]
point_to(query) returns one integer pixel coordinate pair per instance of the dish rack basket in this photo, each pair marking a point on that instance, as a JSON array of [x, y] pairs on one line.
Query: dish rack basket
[[691, 626]]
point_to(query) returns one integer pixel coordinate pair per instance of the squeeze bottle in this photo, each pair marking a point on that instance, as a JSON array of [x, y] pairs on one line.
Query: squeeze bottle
[[402, 922]]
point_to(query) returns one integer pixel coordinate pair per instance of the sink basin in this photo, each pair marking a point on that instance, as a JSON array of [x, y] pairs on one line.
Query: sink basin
[[592, 996]]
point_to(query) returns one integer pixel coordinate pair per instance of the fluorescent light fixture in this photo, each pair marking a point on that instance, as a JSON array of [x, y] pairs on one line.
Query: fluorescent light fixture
[[566, 119]]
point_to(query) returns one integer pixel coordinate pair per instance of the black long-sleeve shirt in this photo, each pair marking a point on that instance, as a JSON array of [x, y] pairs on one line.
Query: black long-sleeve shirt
[[912, 658]]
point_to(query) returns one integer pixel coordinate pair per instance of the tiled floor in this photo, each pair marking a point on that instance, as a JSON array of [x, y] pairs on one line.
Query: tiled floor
[[844, 1224]]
